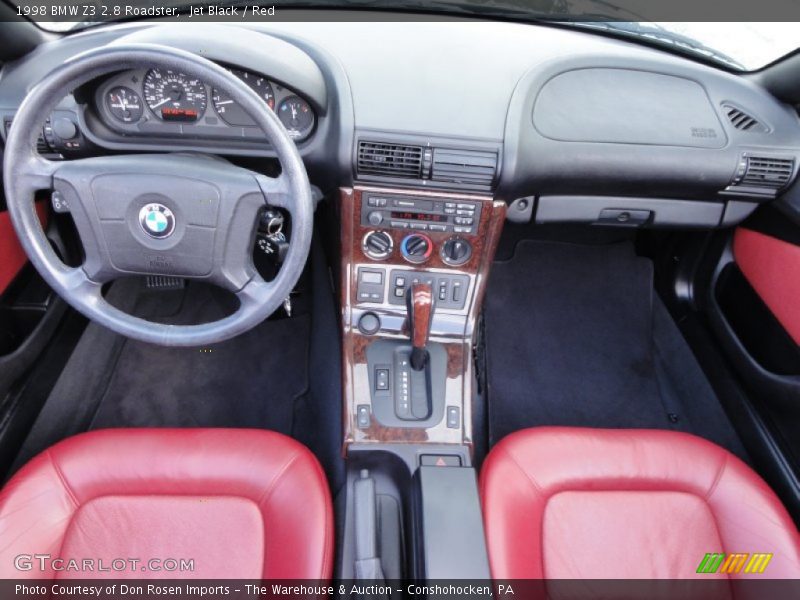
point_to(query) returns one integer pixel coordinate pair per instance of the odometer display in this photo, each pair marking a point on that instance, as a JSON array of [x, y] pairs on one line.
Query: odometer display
[[174, 96]]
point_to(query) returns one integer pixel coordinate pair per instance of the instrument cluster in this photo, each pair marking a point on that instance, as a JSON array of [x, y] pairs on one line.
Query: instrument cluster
[[164, 101]]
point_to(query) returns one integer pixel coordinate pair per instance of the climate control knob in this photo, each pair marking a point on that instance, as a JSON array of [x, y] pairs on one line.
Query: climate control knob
[[456, 251], [416, 248], [377, 245]]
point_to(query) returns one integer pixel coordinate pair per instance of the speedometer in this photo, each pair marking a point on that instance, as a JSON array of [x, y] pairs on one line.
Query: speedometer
[[230, 111], [174, 96]]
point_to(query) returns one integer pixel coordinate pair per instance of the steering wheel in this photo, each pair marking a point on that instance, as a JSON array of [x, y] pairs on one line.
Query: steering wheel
[[188, 216]]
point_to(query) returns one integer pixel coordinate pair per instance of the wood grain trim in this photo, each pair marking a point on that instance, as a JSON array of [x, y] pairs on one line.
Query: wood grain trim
[[458, 386], [422, 302]]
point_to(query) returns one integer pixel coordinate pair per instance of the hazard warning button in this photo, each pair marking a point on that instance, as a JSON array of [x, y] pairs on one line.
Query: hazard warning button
[[440, 460]]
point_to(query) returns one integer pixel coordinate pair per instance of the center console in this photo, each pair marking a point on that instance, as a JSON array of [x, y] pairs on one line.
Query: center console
[[413, 274], [414, 268]]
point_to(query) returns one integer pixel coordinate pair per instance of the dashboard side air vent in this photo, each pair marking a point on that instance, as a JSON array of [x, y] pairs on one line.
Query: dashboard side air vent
[[41, 144], [389, 160], [464, 167], [762, 175], [741, 120]]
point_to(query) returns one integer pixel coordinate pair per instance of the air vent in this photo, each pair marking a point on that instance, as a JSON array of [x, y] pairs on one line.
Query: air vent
[[768, 172], [464, 167], [42, 147], [762, 175], [390, 160], [741, 120]]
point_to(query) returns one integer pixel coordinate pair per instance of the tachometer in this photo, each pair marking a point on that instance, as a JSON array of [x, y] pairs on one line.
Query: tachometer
[[124, 104], [230, 111], [174, 96], [297, 116]]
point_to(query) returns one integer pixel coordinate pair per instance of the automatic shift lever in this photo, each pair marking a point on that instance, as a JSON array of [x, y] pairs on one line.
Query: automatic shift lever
[[419, 303]]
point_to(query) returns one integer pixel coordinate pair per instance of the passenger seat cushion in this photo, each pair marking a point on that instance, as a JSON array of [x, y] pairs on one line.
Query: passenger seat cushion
[[594, 503], [241, 503]]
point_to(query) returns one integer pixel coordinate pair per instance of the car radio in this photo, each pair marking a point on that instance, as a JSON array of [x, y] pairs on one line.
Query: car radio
[[408, 212]]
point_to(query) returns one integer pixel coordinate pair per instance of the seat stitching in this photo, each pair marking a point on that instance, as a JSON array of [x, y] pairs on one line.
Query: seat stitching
[[524, 472], [328, 542], [266, 494], [718, 476], [63, 479], [545, 498], [272, 484]]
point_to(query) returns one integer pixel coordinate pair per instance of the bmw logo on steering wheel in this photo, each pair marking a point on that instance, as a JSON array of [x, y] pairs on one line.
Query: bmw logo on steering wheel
[[157, 220]]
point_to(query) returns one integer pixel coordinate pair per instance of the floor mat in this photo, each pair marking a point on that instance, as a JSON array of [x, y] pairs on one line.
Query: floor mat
[[252, 380], [575, 336]]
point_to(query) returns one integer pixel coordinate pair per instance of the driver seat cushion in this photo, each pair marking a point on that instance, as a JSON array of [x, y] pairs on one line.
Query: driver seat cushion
[[240, 503], [574, 503]]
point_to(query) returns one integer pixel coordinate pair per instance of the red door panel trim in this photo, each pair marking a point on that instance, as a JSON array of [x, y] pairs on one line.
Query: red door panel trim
[[772, 267], [12, 256]]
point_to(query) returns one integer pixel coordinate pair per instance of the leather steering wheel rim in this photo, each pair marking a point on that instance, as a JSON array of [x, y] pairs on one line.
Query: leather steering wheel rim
[[26, 172]]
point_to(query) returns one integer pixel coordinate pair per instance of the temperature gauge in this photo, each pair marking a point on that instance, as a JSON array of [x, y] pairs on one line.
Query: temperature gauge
[[297, 116], [124, 104]]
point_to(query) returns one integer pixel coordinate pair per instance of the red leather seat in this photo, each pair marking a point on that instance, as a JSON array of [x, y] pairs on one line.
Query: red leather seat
[[245, 504], [569, 503]]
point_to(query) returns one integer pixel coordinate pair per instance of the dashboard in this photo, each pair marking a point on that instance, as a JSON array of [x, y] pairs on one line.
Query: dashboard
[[563, 125], [164, 102]]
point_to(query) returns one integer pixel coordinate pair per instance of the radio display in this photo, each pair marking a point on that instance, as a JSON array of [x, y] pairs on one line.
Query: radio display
[[412, 216]]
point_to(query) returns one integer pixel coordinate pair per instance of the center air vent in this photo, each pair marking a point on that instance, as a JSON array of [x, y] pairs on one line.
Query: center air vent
[[391, 160], [464, 167], [762, 175], [741, 120]]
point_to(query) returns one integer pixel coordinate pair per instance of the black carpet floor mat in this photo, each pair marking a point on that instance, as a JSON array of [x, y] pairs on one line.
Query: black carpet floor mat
[[576, 336], [256, 379]]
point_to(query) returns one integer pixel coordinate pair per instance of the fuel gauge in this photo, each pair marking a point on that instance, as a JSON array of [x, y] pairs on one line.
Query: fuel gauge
[[124, 104], [297, 116]]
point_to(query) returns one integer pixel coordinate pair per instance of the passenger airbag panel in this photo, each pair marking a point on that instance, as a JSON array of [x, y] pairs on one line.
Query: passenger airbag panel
[[627, 107]]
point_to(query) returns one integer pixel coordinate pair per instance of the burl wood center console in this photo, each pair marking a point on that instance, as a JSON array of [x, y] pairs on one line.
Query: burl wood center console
[[395, 241]]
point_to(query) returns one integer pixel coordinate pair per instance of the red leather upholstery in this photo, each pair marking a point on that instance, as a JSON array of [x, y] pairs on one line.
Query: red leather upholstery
[[569, 503], [772, 267], [243, 504], [12, 256]]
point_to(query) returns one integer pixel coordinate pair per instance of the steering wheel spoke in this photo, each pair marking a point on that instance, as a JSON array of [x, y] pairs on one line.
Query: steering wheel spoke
[[252, 294], [276, 190], [35, 173], [78, 282]]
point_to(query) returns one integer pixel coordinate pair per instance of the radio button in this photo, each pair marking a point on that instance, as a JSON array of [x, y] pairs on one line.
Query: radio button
[[449, 211], [433, 227], [467, 206], [419, 226], [399, 224]]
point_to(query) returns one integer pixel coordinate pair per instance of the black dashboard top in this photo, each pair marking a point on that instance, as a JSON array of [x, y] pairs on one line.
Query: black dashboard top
[[523, 110]]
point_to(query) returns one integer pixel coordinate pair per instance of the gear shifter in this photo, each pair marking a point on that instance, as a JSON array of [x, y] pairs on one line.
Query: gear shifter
[[419, 303]]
